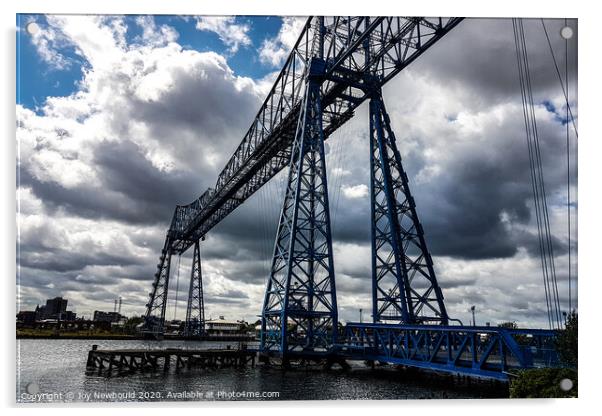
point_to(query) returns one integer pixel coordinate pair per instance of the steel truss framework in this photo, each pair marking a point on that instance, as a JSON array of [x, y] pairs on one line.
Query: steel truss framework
[[195, 311], [194, 326], [351, 47], [489, 352], [336, 64], [359, 54], [404, 286], [155, 308], [300, 309]]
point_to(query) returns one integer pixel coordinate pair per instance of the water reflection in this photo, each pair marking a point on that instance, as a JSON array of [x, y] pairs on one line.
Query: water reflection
[[54, 368]]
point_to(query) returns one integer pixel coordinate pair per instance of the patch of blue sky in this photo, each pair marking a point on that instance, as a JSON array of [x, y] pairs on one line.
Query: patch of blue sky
[[559, 117], [245, 61], [38, 79]]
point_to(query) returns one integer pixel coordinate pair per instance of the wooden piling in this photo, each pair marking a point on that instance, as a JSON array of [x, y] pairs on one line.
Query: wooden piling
[[110, 362]]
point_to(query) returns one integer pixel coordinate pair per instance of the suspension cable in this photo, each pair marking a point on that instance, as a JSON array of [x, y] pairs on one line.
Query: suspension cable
[[175, 306], [537, 178], [565, 91], [546, 219], [568, 158]]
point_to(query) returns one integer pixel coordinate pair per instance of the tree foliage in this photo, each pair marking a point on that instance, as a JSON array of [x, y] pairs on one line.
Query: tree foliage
[[543, 383], [130, 324], [520, 338], [566, 342]]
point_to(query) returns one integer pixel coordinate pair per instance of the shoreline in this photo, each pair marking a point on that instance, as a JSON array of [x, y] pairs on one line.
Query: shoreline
[[136, 337]]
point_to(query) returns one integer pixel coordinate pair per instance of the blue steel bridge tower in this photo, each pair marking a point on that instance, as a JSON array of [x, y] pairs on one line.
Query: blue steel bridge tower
[[300, 307], [336, 64], [404, 285]]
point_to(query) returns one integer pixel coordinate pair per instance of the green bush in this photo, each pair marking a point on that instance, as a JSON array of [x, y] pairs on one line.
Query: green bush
[[566, 343], [543, 383]]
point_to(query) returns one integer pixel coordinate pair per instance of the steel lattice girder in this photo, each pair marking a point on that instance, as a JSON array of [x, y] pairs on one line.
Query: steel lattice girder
[[195, 311], [404, 285], [352, 48], [482, 351], [300, 309], [155, 308]]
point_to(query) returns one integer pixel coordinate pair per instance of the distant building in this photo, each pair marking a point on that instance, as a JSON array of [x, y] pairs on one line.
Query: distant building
[[40, 313], [68, 316], [54, 309], [223, 327], [26, 317], [56, 306], [258, 331], [100, 316], [174, 326]]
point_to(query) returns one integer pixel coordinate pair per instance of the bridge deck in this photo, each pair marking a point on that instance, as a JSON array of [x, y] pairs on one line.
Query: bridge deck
[[485, 352]]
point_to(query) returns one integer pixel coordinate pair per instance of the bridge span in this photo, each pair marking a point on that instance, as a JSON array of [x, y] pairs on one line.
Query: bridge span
[[337, 64]]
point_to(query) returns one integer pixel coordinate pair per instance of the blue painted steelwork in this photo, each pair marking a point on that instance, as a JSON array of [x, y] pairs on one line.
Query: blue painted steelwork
[[300, 308], [195, 312], [154, 322], [488, 352], [358, 54], [404, 286], [336, 64]]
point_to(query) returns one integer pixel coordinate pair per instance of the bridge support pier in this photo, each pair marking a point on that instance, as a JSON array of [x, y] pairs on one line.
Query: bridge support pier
[[404, 286], [300, 309], [154, 321], [195, 311]]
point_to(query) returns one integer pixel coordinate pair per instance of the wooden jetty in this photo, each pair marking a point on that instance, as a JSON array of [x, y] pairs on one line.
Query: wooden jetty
[[124, 361]]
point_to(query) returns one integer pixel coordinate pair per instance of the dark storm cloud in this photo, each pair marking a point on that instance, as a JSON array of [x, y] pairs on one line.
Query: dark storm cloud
[[353, 222], [254, 272], [232, 294], [86, 202], [60, 260], [218, 300], [50, 284], [530, 241], [463, 214], [463, 211], [124, 169], [479, 57], [449, 284], [202, 101], [356, 285], [132, 189]]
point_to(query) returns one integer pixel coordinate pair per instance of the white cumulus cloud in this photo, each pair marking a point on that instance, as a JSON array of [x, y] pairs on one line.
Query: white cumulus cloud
[[355, 191], [275, 51], [231, 33]]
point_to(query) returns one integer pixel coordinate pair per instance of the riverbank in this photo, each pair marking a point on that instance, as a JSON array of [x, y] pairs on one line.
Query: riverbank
[[124, 337]]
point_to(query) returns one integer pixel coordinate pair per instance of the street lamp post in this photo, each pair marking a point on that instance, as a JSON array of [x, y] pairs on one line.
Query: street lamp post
[[474, 322]]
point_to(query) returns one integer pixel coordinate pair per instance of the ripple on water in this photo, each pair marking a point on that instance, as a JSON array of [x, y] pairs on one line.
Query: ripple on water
[[58, 366]]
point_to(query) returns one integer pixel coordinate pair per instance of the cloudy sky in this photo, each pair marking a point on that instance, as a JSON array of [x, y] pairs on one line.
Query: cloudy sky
[[121, 118]]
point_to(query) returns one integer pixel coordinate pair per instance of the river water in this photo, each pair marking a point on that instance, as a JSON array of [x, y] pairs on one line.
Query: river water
[[54, 371]]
